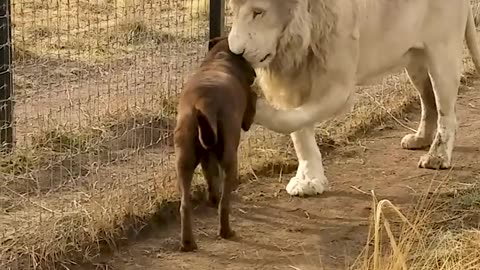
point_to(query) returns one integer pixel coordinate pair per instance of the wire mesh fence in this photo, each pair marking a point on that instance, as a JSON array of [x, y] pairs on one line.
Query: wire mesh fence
[[95, 86]]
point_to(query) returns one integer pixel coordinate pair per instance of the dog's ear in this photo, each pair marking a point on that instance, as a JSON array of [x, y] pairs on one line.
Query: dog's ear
[[212, 42], [247, 70], [252, 75], [250, 111]]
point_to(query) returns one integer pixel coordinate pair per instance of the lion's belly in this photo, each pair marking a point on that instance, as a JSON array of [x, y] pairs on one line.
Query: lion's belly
[[389, 31], [373, 73]]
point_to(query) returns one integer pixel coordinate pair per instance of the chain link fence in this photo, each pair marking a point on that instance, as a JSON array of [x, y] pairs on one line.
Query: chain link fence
[[95, 87], [94, 97]]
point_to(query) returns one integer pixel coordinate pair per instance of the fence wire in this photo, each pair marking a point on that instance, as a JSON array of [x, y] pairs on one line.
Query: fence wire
[[95, 86]]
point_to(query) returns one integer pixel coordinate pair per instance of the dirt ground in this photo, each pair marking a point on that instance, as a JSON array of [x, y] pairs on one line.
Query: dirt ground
[[276, 231]]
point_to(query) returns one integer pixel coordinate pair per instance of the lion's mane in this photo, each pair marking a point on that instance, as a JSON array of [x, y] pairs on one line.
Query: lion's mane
[[304, 42]]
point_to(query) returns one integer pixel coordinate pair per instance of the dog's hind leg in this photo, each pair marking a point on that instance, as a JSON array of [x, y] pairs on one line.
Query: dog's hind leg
[[214, 175], [229, 163], [185, 166]]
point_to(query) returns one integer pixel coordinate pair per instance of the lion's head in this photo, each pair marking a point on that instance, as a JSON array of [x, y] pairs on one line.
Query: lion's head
[[281, 31], [257, 28]]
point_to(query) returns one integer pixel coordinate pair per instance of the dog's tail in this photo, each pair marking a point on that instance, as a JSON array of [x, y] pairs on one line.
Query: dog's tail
[[207, 124]]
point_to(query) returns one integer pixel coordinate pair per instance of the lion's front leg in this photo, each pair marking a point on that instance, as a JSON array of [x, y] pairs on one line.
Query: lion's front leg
[[336, 100], [310, 178], [267, 116]]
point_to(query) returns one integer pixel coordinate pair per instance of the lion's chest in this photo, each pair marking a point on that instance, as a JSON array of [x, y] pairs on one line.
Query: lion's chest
[[283, 91]]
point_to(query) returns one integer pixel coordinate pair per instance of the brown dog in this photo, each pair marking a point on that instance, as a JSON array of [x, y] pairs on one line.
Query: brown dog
[[216, 103]]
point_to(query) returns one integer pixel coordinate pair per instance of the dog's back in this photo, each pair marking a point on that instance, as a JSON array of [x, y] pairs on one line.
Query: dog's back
[[217, 98]]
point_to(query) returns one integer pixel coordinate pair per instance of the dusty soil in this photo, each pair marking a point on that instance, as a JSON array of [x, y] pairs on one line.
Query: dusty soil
[[276, 231]]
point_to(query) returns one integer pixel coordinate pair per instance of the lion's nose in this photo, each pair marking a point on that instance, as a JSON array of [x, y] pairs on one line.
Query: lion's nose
[[235, 44]]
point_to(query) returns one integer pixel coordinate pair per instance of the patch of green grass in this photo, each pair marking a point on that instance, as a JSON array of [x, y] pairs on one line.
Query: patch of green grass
[[468, 199]]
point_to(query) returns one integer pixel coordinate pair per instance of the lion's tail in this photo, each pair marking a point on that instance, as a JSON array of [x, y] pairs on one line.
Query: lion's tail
[[471, 37]]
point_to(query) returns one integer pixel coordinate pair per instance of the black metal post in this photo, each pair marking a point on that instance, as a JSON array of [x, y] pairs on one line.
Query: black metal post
[[217, 18], [6, 79]]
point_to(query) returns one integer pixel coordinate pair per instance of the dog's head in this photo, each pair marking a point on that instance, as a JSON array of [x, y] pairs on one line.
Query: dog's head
[[218, 47], [250, 74], [214, 41]]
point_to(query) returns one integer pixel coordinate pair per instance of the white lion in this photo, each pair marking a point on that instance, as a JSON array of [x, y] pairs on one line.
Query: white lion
[[310, 55]]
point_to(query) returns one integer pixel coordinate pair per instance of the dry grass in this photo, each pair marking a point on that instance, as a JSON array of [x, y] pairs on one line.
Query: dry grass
[[439, 232], [425, 243], [99, 30]]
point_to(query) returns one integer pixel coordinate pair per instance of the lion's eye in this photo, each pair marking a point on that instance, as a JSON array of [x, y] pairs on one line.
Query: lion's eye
[[257, 12]]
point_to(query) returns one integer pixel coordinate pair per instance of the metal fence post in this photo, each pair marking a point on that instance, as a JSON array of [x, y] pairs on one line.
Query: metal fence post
[[6, 79], [217, 18]]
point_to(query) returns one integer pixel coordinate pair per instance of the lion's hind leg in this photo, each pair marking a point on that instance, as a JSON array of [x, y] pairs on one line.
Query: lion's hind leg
[[418, 73], [444, 62]]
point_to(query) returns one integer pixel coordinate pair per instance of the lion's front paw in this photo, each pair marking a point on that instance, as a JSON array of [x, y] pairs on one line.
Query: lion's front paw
[[435, 162], [413, 141], [308, 181], [306, 187]]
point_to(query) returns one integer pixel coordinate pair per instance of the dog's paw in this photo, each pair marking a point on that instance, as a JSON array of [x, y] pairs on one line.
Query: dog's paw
[[188, 246], [226, 233], [213, 200]]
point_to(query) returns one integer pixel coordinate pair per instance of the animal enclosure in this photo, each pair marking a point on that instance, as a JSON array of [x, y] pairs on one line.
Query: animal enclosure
[[94, 91], [88, 145]]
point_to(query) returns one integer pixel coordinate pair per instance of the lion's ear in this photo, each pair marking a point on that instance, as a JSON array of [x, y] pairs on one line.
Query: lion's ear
[[212, 42]]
